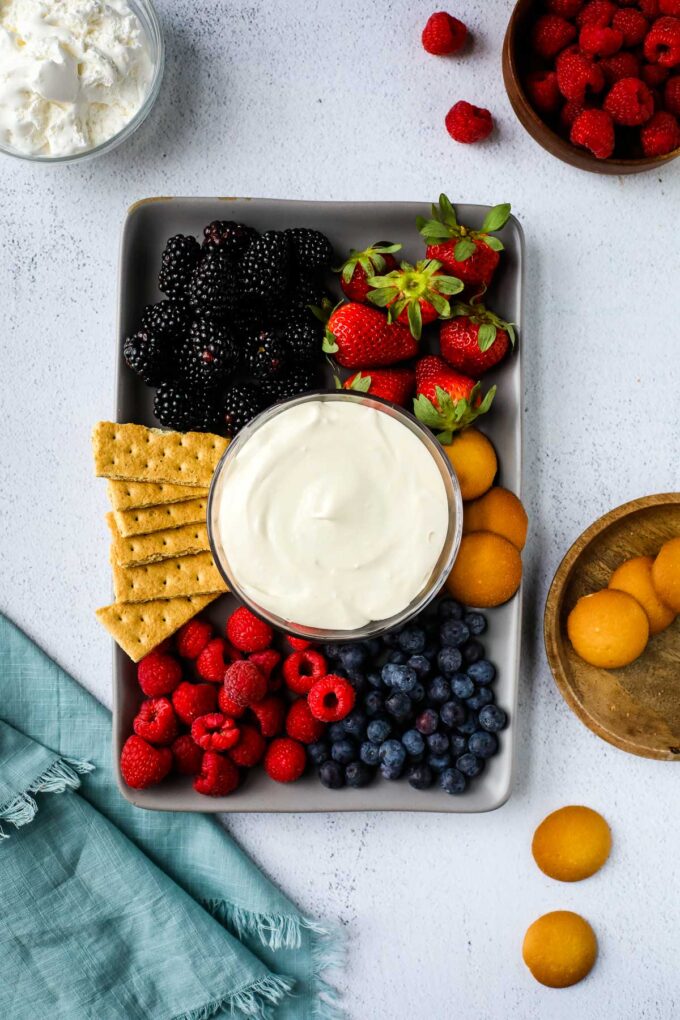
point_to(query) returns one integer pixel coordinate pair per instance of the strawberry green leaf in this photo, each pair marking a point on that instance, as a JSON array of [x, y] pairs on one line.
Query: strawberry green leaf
[[486, 336], [447, 284], [496, 218], [338, 382], [426, 412], [512, 334], [360, 383], [448, 213], [494, 243], [415, 319], [435, 232], [329, 345], [381, 298], [440, 305], [445, 438], [464, 249], [323, 311], [348, 270]]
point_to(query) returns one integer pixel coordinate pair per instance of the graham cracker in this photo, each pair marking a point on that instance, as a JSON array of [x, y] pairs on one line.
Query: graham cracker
[[183, 575], [139, 627], [157, 545], [161, 518], [133, 495], [140, 454]]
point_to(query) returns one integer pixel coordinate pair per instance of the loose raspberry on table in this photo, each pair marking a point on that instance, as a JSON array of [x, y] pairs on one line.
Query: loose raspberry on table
[[227, 706], [249, 748], [285, 760], [599, 41], [331, 698], [215, 732], [551, 34], [192, 638], [578, 76], [158, 674], [597, 12], [210, 664], [301, 724], [218, 776], [248, 632], [266, 661], [191, 700], [543, 91], [621, 65], [443, 34], [660, 134], [594, 130], [301, 669], [244, 683], [633, 24], [671, 95], [156, 721], [187, 755], [467, 123], [298, 644], [630, 102], [662, 42], [270, 714], [565, 8], [143, 765]]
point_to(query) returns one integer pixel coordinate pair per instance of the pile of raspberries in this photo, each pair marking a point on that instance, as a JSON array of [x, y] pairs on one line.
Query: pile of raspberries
[[217, 706], [606, 74]]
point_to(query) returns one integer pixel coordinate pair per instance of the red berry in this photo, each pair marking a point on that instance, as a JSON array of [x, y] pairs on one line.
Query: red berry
[[249, 747], [156, 721], [244, 683], [662, 43], [227, 706], [653, 75], [630, 102], [301, 669], [660, 134], [187, 755], [594, 130], [569, 113], [565, 8], [633, 25], [270, 713], [331, 698], [301, 724], [298, 643], [218, 776], [551, 34], [597, 12], [285, 760], [266, 661], [214, 732], [577, 76], [543, 91], [597, 41], [158, 674], [210, 664], [467, 123], [193, 637], [143, 765], [248, 632], [650, 8], [192, 700], [671, 95], [670, 7], [443, 34], [621, 65]]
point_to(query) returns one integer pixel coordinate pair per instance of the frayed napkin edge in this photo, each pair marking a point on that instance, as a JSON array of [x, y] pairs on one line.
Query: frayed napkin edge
[[62, 775]]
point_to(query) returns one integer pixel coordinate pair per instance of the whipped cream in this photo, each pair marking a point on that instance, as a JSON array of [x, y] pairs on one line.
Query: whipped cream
[[332, 515], [73, 73]]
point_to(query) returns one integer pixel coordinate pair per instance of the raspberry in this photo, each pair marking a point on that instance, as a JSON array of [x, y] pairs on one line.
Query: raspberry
[[247, 632], [214, 732], [662, 42], [633, 25], [156, 721], [249, 748], [650, 8], [671, 95], [565, 8], [467, 123], [629, 102], [551, 34], [187, 756], [285, 760], [227, 706], [270, 714], [331, 698], [660, 134], [299, 643], [266, 661], [192, 700], [597, 41], [578, 75], [621, 65], [244, 683], [301, 724], [568, 114], [142, 765], [597, 12], [670, 7], [653, 75], [543, 91], [193, 637], [210, 664], [443, 34], [301, 669], [158, 674], [594, 130], [218, 776]]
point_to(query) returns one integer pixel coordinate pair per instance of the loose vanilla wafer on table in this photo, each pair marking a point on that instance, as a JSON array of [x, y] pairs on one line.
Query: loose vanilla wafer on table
[[160, 518], [133, 495], [183, 575], [136, 453], [138, 627], [138, 550]]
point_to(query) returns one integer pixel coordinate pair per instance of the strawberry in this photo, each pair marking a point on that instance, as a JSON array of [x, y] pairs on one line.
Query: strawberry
[[446, 400], [475, 339], [355, 272], [394, 384], [361, 337], [414, 295], [471, 255]]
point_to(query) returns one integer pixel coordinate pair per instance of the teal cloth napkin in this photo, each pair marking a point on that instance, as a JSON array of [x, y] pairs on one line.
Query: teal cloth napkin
[[108, 911]]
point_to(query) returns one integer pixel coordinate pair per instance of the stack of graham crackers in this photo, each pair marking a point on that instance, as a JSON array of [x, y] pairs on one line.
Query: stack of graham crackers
[[163, 572]]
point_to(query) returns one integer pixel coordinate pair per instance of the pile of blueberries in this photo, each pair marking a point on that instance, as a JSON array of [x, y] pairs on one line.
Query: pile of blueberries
[[425, 705]]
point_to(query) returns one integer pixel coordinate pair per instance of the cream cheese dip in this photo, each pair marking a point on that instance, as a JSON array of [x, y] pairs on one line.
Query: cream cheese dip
[[332, 514]]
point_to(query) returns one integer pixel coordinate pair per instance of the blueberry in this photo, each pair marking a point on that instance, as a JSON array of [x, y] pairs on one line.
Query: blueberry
[[438, 762], [469, 765], [427, 722], [462, 686], [391, 639], [343, 751], [332, 775], [431, 650], [452, 713], [413, 742], [400, 677], [393, 753], [379, 730], [358, 774], [398, 657], [475, 623], [336, 731], [374, 679], [481, 697], [368, 752], [353, 656], [332, 650], [453, 633], [458, 742], [482, 672], [418, 693], [449, 609], [438, 743], [390, 771], [472, 651], [355, 723], [469, 724], [412, 640], [483, 744], [492, 718], [420, 777], [318, 752], [449, 660], [374, 703], [439, 690], [399, 706], [452, 781], [420, 664]]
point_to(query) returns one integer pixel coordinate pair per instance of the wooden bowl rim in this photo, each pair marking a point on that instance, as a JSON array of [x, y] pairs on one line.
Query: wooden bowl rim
[[551, 621]]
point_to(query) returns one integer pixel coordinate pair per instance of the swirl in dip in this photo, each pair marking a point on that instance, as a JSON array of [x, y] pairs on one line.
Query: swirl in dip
[[332, 514]]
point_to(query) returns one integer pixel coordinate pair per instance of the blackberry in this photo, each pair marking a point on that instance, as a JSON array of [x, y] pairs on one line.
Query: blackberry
[[242, 402], [265, 267], [311, 248], [208, 357], [179, 259], [146, 354], [185, 410], [296, 381], [213, 287], [228, 236], [304, 292], [303, 338], [165, 318], [267, 355]]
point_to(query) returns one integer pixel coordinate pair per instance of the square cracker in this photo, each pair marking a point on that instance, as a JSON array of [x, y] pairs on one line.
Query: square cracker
[[139, 454], [133, 495], [138, 550], [139, 626], [183, 575], [161, 518]]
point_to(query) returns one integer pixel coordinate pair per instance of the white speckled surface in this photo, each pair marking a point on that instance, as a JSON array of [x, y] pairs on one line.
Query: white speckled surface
[[341, 104]]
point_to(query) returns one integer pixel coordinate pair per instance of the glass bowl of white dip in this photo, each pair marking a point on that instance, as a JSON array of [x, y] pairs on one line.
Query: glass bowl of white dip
[[60, 103], [335, 516]]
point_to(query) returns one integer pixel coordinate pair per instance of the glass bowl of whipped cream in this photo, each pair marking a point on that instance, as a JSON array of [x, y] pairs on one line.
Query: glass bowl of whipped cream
[[77, 77], [335, 516]]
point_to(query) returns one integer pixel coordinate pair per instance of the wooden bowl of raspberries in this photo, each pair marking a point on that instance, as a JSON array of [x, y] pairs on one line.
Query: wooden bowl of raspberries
[[597, 82]]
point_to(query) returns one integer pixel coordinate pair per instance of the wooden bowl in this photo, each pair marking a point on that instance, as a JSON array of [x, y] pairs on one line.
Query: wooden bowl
[[636, 708], [515, 66]]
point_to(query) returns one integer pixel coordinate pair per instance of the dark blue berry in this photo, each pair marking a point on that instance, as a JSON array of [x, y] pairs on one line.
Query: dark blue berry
[[482, 672], [355, 723], [482, 696], [393, 753], [332, 650], [332, 775], [399, 706], [353, 656], [378, 730], [391, 639], [374, 679], [318, 752], [449, 609], [430, 651], [469, 765], [420, 777], [452, 713], [469, 724], [358, 774], [374, 703], [399, 677], [397, 656], [472, 651], [413, 742], [336, 731], [492, 718], [439, 690], [428, 721], [438, 762], [452, 781], [449, 660], [475, 623], [412, 640], [462, 686], [458, 742], [343, 751], [368, 752], [390, 771], [417, 694], [453, 633], [438, 743], [483, 744], [374, 647], [420, 664]]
